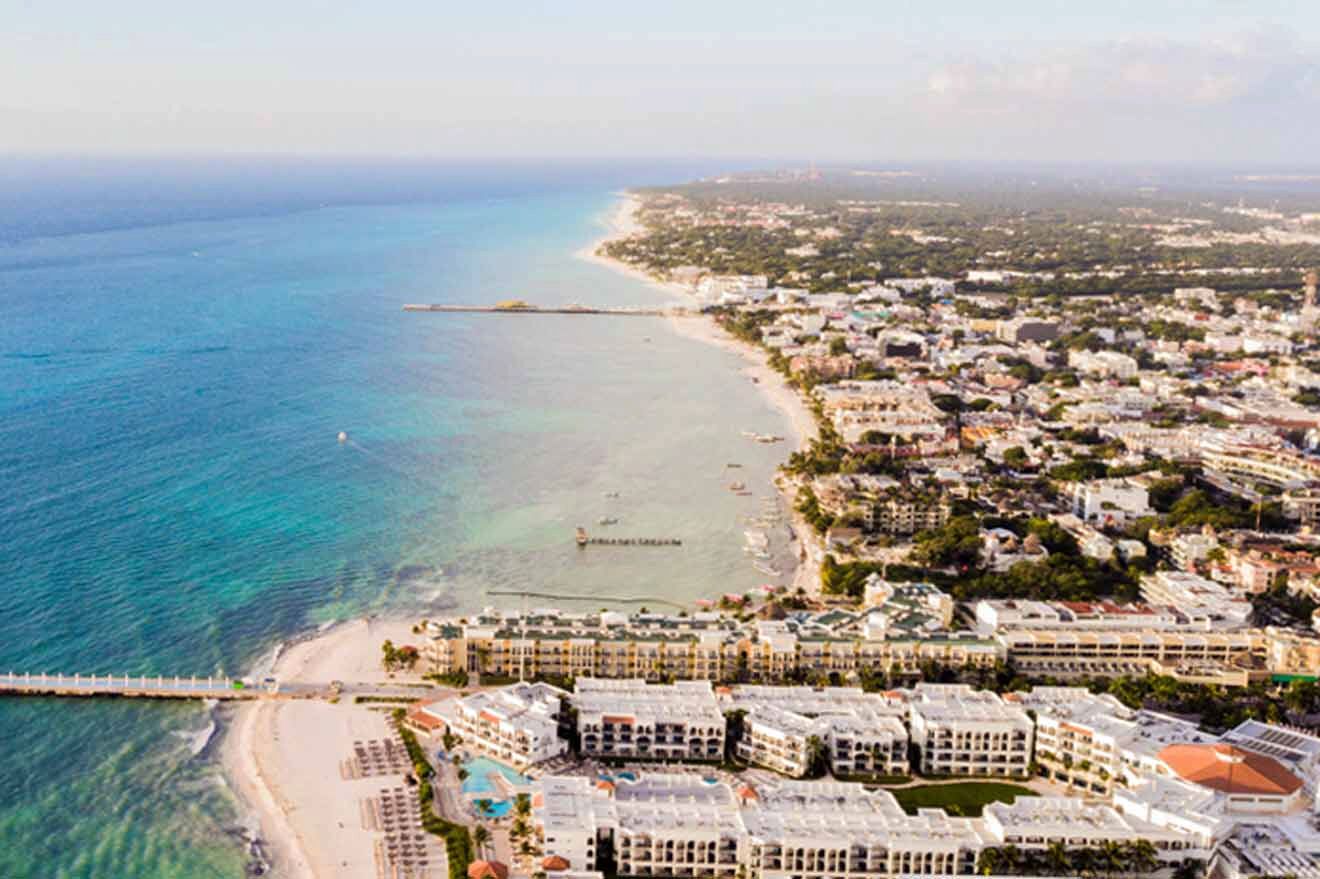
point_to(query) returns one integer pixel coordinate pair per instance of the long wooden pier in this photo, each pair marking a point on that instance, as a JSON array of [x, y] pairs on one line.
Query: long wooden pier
[[614, 311], [135, 686]]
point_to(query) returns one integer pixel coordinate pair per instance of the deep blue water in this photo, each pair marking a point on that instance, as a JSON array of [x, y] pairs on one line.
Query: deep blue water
[[179, 345]]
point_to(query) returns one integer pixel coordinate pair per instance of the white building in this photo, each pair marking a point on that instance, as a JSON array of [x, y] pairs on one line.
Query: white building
[[1196, 597], [1110, 502], [517, 725], [1094, 743], [996, 614], [960, 731], [1106, 364], [631, 718], [684, 826], [861, 733], [889, 407]]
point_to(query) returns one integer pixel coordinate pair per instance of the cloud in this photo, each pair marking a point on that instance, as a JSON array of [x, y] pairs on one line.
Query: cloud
[[1139, 74]]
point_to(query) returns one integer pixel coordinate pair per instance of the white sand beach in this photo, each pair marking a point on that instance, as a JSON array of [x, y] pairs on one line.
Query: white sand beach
[[283, 757], [621, 223]]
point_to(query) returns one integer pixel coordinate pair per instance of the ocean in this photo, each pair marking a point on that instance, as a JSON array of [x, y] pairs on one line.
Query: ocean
[[181, 343]]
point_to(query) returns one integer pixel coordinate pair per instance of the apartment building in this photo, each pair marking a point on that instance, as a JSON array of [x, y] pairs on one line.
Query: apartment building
[[889, 407], [994, 615], [634, 719], [1216, 656], [704, 646], [1094, 743], [911, 512], [1109, 502], [1197, 598], [517, 725], [857, 733], [960, 731]]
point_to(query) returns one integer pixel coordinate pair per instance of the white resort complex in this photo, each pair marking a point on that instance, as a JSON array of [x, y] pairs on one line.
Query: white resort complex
[[1246, 800]]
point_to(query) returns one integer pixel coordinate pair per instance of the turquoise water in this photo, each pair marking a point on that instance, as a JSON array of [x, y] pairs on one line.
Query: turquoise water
[[478, 782], [479, 770], [179, 348]]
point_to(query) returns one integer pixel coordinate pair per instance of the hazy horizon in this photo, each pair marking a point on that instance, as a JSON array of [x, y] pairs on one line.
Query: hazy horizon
[[1200, 81]]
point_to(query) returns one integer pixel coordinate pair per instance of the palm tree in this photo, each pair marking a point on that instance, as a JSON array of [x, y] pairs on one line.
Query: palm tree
[[1112, 856], [480, 836], [987, 863], [1057, 857], [1142, 857], [817, 757]]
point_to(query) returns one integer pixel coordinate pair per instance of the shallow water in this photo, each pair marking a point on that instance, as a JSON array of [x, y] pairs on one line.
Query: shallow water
[[175, 499]]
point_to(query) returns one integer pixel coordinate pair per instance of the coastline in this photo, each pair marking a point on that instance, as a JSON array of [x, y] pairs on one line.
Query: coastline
[[279, 756], [788, 402]]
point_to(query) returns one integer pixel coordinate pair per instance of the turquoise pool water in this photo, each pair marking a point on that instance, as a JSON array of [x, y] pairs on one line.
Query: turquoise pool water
[[479, 770], [494, 808], [478, 782]]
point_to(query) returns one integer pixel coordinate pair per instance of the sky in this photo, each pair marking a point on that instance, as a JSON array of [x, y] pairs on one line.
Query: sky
[[1157, 80]]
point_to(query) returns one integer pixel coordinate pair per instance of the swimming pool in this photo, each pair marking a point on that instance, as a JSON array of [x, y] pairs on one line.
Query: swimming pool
[[479, 770], [493, 808]]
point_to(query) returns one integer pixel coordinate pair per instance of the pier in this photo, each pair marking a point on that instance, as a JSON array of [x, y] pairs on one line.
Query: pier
[[134, 686], [585, 539], [516, 308]]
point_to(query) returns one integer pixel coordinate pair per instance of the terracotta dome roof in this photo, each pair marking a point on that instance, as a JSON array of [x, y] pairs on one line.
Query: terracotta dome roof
[[538, 800], [554, 863], [603, 784], [747, 792], [1230, 770], [488, 870]]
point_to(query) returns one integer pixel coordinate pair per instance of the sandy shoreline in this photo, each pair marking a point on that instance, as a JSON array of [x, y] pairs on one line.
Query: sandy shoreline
[[802, 423], [282, 758]]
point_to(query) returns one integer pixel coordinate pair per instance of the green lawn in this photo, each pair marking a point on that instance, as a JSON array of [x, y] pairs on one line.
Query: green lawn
[[961, 798]]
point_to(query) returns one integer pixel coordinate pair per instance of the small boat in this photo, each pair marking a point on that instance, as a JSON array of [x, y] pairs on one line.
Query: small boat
[[343, 437], [611, 494], [743, 493], [766, 569], [607, 520], [750, 434], [732, 465], [737, 486]]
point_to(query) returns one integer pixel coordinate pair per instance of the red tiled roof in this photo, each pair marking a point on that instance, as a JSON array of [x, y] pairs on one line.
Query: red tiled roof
[[553, 863], [487, 870], [1230, 770]]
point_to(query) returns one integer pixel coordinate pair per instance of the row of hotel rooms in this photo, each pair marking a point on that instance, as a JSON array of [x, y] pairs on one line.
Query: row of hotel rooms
[[953, 729], [1246, 799], [1188, 629]]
